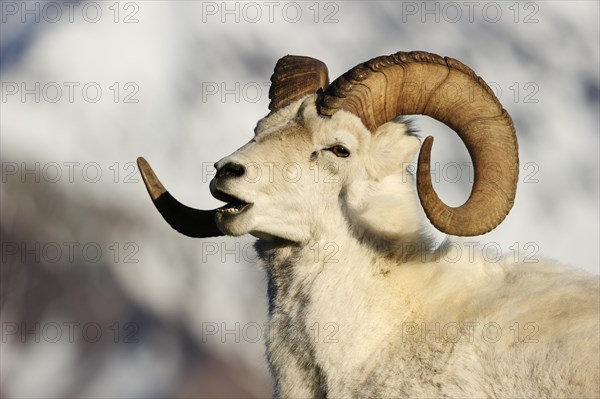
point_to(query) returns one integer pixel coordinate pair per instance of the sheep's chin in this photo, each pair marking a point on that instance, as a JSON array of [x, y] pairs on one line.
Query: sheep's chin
[[235, 223], [274, 239]]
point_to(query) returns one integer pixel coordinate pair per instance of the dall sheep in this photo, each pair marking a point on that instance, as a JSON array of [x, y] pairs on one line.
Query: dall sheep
[[360, 301]]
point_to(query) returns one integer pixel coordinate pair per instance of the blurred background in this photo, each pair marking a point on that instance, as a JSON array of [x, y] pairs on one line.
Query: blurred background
[[100, 298]]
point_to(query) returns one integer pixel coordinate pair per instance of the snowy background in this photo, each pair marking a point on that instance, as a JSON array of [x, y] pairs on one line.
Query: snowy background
[[100, 298]]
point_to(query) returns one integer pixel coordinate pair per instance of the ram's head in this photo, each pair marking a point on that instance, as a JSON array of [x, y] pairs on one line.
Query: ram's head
[[330, 153]]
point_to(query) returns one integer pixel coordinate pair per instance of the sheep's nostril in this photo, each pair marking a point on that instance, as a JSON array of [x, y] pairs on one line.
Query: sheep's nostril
[[231, 169]]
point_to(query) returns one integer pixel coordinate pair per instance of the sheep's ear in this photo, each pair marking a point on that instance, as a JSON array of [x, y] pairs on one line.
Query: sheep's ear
[[385, 206], [392, 149]]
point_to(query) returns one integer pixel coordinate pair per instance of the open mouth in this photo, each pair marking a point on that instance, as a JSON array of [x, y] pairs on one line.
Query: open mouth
[[233, 204]]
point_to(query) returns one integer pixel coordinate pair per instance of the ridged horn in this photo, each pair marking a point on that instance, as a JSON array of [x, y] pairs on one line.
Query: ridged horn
[[188, 221], [295, 77], [411, 83]]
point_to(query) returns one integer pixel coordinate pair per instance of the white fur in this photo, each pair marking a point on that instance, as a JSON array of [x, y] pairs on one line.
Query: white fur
[[362, 305]]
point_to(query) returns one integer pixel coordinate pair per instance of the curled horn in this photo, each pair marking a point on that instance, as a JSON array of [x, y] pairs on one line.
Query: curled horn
[[414, 83], [295, 77]]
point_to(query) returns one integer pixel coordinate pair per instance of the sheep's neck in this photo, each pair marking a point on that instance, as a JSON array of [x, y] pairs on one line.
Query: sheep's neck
[[320, 293]]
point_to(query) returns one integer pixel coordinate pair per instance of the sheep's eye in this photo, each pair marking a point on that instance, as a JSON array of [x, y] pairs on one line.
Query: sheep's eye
[[340, 151]]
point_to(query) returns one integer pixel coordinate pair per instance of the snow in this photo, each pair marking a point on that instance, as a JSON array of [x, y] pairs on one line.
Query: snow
[[542, 58]]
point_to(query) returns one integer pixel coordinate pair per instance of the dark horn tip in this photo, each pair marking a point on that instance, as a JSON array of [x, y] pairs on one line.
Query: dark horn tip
[[188, 221]]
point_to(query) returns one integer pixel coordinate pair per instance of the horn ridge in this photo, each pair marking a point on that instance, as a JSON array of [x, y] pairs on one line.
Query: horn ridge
[[418, 82], [295, 77]]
